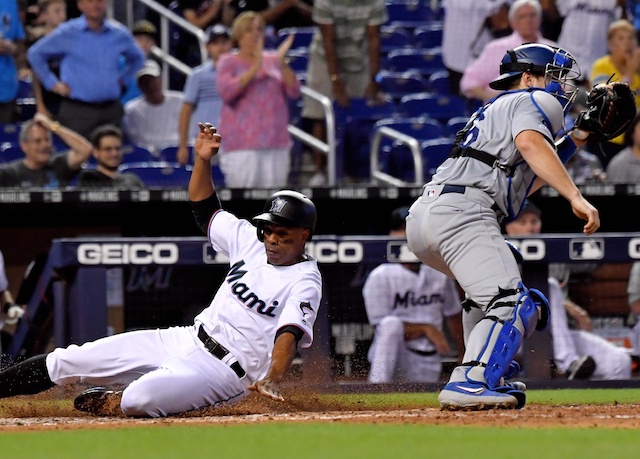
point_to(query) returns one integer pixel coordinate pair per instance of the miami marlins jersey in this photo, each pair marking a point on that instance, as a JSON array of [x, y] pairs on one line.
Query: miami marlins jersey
[[257, 297], [492, 130], [420, 298]]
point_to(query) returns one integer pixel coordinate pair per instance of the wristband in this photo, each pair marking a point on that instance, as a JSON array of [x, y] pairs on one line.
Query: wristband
[[54, 126]]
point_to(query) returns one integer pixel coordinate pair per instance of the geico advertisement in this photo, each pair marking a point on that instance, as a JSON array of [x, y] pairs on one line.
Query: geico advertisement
[[162, 253], [323, 251]]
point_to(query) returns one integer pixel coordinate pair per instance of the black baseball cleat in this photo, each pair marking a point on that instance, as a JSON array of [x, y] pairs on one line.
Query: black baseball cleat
[[581, 368], [97, 400]]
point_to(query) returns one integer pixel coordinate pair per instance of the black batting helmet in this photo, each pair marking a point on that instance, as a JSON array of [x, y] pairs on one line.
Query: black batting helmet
[[287, 208]]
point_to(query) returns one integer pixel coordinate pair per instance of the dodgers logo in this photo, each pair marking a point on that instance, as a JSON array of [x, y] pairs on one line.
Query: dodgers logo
[[586, 249]]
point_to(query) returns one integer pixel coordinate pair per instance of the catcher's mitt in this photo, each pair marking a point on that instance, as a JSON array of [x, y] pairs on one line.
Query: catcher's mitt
[[610, 109]]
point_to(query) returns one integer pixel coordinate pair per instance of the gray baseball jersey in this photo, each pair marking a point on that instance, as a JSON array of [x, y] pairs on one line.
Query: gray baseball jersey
[[493, 130]]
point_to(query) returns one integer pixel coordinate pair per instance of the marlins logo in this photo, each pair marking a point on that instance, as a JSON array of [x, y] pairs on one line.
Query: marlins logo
[[277, 205]]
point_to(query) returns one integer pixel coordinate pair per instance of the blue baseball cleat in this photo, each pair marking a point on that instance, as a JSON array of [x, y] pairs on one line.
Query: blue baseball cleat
[[464, 395]]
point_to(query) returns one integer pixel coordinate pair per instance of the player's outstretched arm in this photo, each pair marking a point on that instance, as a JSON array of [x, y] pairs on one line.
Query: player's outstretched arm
[[284, 351], [206, 147], [544, 161]]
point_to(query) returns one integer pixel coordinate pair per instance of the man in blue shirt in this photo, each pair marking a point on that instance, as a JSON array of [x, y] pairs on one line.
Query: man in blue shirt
[[89, 49], [11, 37]]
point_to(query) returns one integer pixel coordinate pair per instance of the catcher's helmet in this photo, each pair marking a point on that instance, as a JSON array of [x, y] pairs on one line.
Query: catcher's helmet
[[287, 208], [555, 63]]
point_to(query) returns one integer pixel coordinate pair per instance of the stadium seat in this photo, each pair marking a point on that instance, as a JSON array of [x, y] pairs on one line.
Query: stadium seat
[[424, 60], [10, 152], [439, 82], [168, 154], [434, 152], [160, 174], [420, 128], [428, 35], [9, 132], [393, 38], [136, 154], [455, 124], [298, 59], [398, 84], [409, 13], [437, 106], [354, 128], [302, 36]]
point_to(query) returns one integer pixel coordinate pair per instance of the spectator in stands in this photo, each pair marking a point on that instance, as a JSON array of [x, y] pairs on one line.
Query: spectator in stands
[[624, 167], [205, 13], [201, 100], [465, 29], [584, 167], [52, 13], [633, 291], [623, 64], [145, 35], [10, 312], [107, 150], [525, 17], [344, 60], [578, 353], [276, 13], [150, 120], [584, 29], [40, 168], [12, 47], [254, 85], [91, 75], [406, 303]]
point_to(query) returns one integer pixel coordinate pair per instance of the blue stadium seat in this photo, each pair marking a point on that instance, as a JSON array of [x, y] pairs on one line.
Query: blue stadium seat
[[168, 154], [9, 132], [298, 59], [354, 129], [434, 152], [420, 128], [437, 106], [393, 38], [398, 84], [409, 13], [302, 36], [439, 82], [455, 124], [10, 152], [25, 89], [428, 35], [424, 60], [136, 154], [160, 174]]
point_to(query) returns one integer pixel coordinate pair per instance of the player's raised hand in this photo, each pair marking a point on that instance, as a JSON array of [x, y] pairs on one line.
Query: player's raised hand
[[207, 142], [268, 388]]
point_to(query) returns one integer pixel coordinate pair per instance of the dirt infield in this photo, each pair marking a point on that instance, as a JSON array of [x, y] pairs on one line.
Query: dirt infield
[[54, 410]]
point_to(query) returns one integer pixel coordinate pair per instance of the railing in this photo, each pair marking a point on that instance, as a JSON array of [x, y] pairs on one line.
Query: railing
[[167, 16], [416, 153]]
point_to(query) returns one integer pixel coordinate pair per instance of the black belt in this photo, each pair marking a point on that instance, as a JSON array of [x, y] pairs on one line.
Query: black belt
[[219, 351], [103, 104], [460, 189], [425, 353]]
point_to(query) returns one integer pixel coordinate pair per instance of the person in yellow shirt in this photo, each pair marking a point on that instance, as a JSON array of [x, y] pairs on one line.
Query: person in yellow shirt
[[622, 63]]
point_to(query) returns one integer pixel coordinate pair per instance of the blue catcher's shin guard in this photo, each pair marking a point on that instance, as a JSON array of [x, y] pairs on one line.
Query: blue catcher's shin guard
[[529, 311]]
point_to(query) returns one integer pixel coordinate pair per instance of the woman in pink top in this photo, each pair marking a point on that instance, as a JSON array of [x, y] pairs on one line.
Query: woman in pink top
[[254, 85]]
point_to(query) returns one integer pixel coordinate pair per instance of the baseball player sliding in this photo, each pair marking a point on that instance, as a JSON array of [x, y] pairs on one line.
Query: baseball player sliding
[[505, 152], [245, 340]]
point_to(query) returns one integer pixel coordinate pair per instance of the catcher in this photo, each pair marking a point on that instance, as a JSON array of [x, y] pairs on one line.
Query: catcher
[[504, 153]]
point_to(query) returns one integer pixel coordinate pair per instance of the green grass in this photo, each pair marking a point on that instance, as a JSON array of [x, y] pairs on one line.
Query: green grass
[[336, 440]]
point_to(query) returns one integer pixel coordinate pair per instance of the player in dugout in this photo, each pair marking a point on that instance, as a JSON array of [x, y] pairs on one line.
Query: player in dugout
[[244, 341]]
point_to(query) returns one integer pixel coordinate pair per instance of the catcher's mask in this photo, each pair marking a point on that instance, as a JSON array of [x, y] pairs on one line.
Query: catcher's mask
[[287, 208], [557, 65]]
